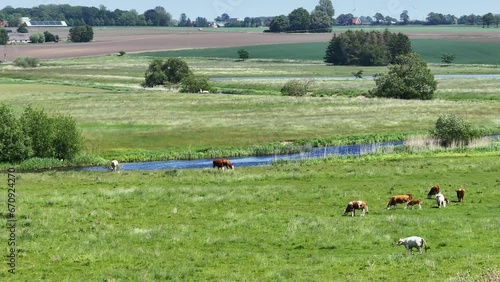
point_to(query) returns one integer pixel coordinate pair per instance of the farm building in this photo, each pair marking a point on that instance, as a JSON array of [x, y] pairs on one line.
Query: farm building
[[356, 21], [15, 37], [31, 23]]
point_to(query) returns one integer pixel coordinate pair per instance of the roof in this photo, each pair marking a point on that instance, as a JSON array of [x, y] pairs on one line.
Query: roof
[[46, 23], [19, 36]]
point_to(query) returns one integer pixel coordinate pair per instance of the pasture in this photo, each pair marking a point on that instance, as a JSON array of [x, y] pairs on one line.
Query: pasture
[[268, 223]]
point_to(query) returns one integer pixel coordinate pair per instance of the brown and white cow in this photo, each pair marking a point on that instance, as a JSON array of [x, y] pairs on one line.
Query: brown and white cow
[[356, 205], [434, 191], [441, 200], [222, 163], [399, 199], [460, 194], [114, 165], [413, 203]]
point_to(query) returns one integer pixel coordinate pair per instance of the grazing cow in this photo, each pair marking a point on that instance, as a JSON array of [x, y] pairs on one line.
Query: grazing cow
[[222, 163], [114, 165], [441, 200], [399, 199], [412, 242], [356, 205], [460, 194], [412, 203], [434, 190]]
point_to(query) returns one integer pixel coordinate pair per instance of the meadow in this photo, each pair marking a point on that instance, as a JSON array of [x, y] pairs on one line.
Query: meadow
[[281, 222], [269, 223]]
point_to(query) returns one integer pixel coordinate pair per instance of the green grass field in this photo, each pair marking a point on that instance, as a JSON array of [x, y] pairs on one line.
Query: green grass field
[[270, 223], [430, 50]]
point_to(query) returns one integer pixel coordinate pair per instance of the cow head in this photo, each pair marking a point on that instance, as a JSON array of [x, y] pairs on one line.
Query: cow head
[[434, 190]]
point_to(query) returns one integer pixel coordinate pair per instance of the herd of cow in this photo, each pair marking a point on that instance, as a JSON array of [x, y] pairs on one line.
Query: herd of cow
[[406, 200]]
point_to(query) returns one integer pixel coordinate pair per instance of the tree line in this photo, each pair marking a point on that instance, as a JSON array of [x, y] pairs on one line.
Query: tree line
[[432, 18]]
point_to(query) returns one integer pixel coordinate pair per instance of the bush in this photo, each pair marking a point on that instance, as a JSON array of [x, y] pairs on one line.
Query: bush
[[26, 62], [193, 84], [14, 146], [49, 37], [154, 74], [68, 141], [37, 38], [23, 28], [121, 53], [448, 58], [173, 70], [38, 127], [453, 130], [295, 88], [83, 33], [35, 134], [243, 54]]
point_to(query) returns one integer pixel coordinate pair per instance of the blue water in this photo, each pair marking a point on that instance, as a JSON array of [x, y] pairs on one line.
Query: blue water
[[252, 160], [257, 160], [367, 77]]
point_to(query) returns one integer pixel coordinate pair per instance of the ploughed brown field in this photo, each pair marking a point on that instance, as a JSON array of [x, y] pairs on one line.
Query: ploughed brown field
[[133, 40]]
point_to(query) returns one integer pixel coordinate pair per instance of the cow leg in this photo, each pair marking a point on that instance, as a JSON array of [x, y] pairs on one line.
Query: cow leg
[[363, 212]]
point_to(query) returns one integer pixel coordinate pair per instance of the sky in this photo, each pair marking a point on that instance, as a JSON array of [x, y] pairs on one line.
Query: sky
[[210, 9]]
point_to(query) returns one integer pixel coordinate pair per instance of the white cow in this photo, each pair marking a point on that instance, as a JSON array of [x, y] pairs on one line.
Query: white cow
[[412, 242], [114, 165], [441, 200]]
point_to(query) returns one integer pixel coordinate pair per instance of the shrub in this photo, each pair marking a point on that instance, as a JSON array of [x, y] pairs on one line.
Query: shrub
[[23, 28], [154, 74], [37, 38], [26, 62], [173, 70], [14, 146], [83, 33], [243, 54], [37, 126], [295, 87], [448, 58], [67, 141], [121, 53], [194, 84], [453, 130], [49, 37]]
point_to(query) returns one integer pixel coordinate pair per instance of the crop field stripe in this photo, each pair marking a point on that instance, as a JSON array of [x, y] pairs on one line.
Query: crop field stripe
[[430, 49]]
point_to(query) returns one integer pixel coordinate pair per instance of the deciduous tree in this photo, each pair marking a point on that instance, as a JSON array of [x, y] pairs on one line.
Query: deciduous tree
[[299, 20], [408, 78], [279, 24]]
